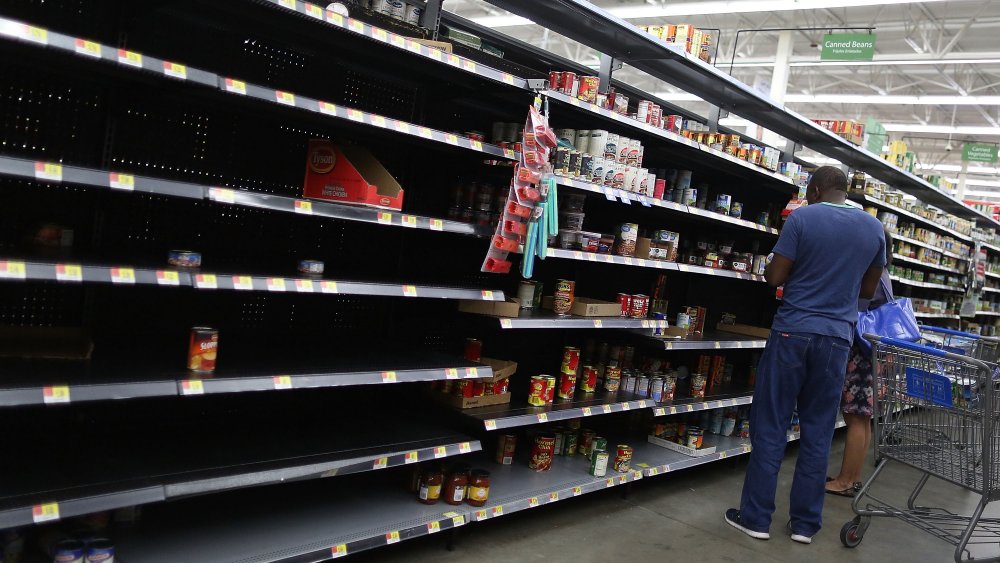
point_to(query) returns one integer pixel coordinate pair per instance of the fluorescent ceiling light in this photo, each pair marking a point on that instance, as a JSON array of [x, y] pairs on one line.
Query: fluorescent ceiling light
[[708, 8], [942, 129]]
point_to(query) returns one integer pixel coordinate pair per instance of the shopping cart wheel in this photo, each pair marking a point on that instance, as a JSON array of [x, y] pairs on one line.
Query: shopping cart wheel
[[853, 532]]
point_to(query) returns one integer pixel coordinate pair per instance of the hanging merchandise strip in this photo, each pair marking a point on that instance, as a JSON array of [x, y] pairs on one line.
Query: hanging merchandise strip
[[531, 215], [130, 60]]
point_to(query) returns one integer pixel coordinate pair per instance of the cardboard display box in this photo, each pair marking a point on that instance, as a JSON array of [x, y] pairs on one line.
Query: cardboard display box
[[502, 369], [747, 330], [508, 308], [349, 174], [704, 450], [587, 307]]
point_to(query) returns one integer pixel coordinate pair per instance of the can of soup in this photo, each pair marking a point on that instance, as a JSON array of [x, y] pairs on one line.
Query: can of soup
[[202, 349]]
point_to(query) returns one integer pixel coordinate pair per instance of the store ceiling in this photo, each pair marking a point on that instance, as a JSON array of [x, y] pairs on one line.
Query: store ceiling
[[946, 49]]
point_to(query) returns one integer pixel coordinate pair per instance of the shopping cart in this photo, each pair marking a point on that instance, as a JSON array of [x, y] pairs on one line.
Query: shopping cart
[[983, 348], [950, 432]]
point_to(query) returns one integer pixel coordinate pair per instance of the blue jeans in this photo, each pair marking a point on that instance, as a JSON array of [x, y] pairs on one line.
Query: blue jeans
[[807, 370]]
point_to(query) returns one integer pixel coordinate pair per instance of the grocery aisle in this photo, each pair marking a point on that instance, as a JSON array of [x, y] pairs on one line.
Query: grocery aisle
[[683, 514]]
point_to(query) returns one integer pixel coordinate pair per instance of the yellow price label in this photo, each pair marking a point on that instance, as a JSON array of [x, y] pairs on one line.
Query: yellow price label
[[286, 98], [175, 70], [440, 452], [314, 11], [120, 181], [409, 291], [481, 515], [122, 275], [206, 281], [242, 283], [378, 120], [532, 502], [282, 382], [334, 18], [290, 4], [598, 323], [397, 40], [498, 510], [577, 491], [355, 115], [609, 482], [433, 527], [69, 272], [426, 133], [509, 153], [130, 58], [413, 46], [410, 457], [56, 394], [464, 447], [476, 145], [356, 26], [392, 537], [506, 323], [457, 521], [722, 454], [276, 284], [451, 373], [659, 412], [453, 60], [304, 286], [303, 206], [553, 496], [46, 512], [384, 218], [48, 171], [628, 260], [491, 424], [468, 65], [192, 387], [487, 295], [167, 277], [625, 406], [622, 479], [380, 34], [542, 417], [380, 463], [403, 127], [434, 54], [222, 195], [472, 372], [653, 471], [606, 408], [586, 411], [328, 286], [409, 221], [338, 550], [507, 78], [88, 48], [388, 377], [327, 108]]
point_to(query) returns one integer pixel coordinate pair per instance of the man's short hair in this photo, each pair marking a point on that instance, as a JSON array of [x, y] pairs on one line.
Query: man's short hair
[[827, 178]]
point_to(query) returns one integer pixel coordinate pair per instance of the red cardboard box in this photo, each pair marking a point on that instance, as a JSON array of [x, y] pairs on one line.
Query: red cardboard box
[[349, 174]]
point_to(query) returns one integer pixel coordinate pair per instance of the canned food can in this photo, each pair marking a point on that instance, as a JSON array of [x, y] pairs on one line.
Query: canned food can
[[588, 89], [412, 14], [599, 464], [473, 349], [623, 458], [639, 308], [203, 349], [612, 379], [611, 147], [526, 294], [562, 300], [694, 437], [567, 385], [505, 449], [68, 551], [311, 267], [683, 321], [597, 177], [537, 390], [690, 197], [570, 83], [759, 264], [555, 79], [570, 440], [625, 300], [558, 434], [586, 167], [541, 452], [586, 440], [100, 550], [570, 359], [644, 111], [659, 188], [588, 381], [628, 178], [184, 259], [697, 386], [656, 389], [550, 389], [628, 383], [641, 386], [634, 147], [736, 210]]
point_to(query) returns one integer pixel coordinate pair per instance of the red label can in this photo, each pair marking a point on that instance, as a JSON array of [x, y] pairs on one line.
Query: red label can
[[541, 452], [478, 388], [586, 441], [623, 458], [202, 349], [473, 349], [570, 359], [567, 385], [463, 388], [625, 300], [588, 88], [640, 306], [659, 187], [550, 389], [537, 390], [588, 380], [498, 387], [555, 80], [569, 84]]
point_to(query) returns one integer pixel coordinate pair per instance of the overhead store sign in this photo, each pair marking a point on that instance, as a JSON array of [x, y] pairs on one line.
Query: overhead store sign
[[979, 153], [848, 47]]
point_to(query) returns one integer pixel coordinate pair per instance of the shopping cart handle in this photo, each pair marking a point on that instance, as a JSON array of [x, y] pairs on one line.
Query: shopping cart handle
[[969, 335], [908, 345]]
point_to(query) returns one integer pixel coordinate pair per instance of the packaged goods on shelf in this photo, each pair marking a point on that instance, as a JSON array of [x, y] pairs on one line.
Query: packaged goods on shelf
[[872, 188], [469, 393], [686, 37], [479, 203], [349, 174], [686, 433], [852, 131]]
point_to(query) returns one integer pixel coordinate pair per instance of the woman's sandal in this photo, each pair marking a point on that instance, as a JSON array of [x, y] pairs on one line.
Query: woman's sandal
[[849, 492]]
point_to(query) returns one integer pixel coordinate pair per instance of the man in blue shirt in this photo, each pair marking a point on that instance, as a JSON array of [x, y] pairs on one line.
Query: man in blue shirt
[[828, 254]]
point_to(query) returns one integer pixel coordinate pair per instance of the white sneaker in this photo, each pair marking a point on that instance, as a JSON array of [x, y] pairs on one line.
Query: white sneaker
[[799, 537], [733, 517]]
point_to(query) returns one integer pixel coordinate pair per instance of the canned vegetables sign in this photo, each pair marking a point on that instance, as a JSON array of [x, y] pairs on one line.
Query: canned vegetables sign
[[979, 153], [848, 47]]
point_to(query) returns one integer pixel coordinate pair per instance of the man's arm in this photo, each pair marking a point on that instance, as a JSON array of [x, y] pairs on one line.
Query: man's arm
[[869, 283], [778, 270]]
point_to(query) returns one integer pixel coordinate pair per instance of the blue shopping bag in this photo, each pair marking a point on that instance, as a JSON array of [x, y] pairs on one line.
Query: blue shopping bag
[[894, 319]]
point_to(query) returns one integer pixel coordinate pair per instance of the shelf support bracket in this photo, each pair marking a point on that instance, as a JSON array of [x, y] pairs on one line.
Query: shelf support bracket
[[714, 115], [608, 65], [788, 153], [431, 18]]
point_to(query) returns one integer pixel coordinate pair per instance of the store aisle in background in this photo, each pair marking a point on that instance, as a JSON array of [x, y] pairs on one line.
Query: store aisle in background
[[680, 517]]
